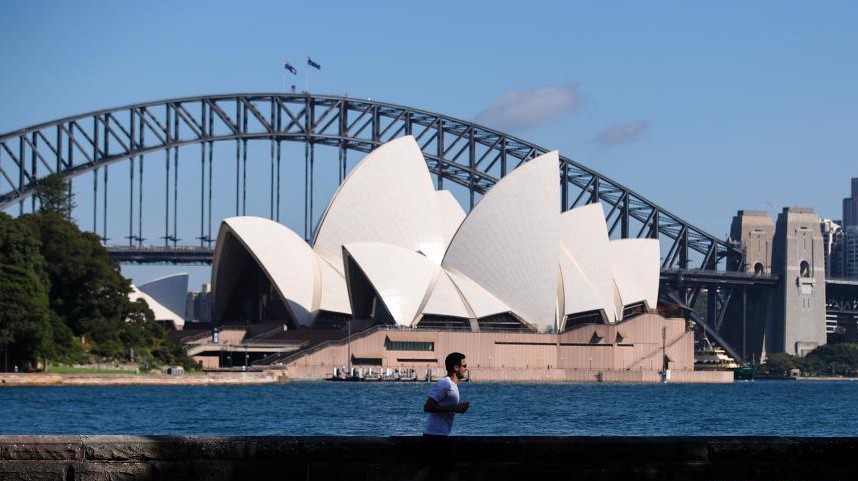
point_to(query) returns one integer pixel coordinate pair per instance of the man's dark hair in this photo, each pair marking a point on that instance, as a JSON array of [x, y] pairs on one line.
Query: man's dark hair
[[453, 359]]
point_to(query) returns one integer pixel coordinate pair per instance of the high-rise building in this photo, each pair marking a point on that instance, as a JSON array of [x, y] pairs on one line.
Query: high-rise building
[[850, 206], [849, 251], [831, 234], [198, 305]]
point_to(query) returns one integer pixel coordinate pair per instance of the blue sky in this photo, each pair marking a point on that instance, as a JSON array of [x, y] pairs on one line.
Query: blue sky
[[705, 108]]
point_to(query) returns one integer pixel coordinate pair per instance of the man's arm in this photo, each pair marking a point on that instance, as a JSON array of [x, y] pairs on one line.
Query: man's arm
[[432, 406]]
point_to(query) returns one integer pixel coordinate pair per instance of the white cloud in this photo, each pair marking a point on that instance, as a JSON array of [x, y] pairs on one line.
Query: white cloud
[[522, 109], [627, 132]]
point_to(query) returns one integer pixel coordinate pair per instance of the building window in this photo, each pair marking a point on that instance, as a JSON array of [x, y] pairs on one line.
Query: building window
[[366, 361], [758, 269], [804, 269], [408, 345], [581, 318], [633, 310]]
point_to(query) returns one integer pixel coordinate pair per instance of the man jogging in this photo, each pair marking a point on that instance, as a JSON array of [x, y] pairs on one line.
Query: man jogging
[[442, 405]]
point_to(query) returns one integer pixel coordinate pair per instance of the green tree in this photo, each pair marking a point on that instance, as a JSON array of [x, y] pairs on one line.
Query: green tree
[[779, 364], [89, 295], [25, 320], [54, 195], [833, 358], [59, 286], [86, 288], [19, 246]]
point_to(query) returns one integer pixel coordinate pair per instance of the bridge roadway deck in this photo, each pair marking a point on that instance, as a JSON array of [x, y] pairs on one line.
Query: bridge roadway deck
[[203, 255], [710, 277], [179, 255]]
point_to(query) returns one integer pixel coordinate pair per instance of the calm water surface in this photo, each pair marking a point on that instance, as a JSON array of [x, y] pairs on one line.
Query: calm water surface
[[325, 408]]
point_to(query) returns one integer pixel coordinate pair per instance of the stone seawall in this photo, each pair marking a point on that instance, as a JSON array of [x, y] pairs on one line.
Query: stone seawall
[[206, 379], [64, 458]]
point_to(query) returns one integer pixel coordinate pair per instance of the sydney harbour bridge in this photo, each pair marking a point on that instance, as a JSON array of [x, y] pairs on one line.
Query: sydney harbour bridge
[[463, 153]]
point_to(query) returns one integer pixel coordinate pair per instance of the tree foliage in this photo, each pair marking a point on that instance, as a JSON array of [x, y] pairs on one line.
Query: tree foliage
[[25, 325], [62, 298], [54, 196], [829, 359]]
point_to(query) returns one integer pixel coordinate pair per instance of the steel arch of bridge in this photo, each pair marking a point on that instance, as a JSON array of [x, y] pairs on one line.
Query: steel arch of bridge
[[456, 150]]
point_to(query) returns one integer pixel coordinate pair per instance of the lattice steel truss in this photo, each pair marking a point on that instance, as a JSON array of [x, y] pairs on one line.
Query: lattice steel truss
[[457, 151]]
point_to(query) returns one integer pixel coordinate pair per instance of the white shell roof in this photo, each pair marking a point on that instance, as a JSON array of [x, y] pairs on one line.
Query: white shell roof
[[171, 291], [450, 214], [514, 253], [446, 300], [636, 270], [335, 294], [401, 278], [509, 243], [388, 197], [161, 313], [578, 295], [298, 280], [480, 302], [585, 236]]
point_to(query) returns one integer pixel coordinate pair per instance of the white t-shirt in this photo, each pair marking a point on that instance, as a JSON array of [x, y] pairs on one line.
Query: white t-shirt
[[446, 393]]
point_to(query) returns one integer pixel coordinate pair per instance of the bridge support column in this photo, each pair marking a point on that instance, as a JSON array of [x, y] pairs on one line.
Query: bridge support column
[[797, 255]]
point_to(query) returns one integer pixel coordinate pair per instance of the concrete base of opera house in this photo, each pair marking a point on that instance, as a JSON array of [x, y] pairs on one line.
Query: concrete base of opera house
[[631, 351]]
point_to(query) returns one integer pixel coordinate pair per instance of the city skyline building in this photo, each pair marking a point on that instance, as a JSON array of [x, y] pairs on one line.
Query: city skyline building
[[198, 305], [831, 235], [844, 243], [850, 206], [848, 253]]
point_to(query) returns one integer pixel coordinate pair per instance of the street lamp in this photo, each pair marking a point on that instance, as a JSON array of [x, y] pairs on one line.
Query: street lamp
[[349, 349]]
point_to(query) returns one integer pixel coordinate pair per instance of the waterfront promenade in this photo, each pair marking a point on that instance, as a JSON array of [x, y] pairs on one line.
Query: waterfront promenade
[[196, 379]]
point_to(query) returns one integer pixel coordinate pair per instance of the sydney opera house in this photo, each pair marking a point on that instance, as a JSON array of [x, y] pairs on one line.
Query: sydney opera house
[[525, 291]]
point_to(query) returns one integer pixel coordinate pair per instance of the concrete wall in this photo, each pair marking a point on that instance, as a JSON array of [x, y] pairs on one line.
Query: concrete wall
[[493, 458]]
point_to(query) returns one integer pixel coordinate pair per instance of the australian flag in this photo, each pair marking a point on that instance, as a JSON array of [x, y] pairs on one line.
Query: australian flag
[[290, 68], [313, 64]]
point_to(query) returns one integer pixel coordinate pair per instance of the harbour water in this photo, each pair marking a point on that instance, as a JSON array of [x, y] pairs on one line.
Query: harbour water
[[386, 409]]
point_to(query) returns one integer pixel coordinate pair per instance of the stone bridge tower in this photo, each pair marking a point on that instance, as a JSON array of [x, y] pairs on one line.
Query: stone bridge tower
[[798, 258], [791, 317], [756, 231]]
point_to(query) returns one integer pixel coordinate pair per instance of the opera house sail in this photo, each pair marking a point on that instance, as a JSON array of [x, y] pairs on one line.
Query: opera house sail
[[393, 252]]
